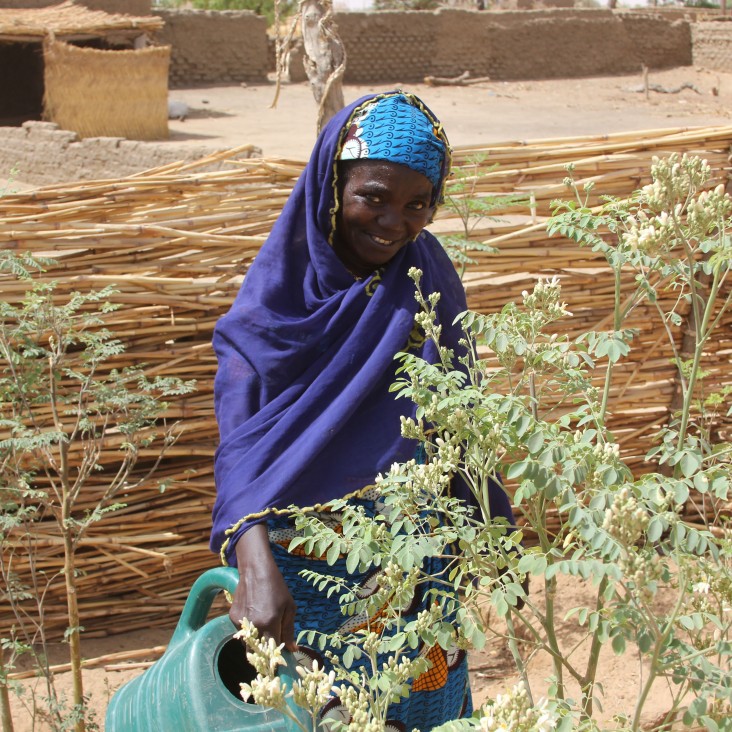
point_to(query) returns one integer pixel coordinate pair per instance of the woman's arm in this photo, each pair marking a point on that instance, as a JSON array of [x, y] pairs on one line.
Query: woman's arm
[[262, 595]]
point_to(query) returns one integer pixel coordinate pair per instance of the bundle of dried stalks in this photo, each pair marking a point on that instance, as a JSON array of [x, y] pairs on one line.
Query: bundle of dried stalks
[[176, 243], [99, 93]]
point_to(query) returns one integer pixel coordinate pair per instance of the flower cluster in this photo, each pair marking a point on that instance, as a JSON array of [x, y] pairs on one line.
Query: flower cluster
[[314, 687], [411, 429], [427, 322], [424, 479], [711, 591], [650, 235], [625, 520], [545, 298], [674, 178], [398, 584], [642, 573], [708, 209], [358, 704], [266, 657], [448, 454], [427, 618], [512, 712]]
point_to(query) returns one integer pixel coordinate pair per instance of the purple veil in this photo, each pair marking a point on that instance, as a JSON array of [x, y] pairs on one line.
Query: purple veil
[[306, 358]]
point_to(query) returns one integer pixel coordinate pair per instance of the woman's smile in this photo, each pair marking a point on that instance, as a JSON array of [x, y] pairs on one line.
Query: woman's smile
[[382, 242]]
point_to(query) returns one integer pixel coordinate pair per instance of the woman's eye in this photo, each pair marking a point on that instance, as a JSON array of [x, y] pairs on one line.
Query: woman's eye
[[372, 198], [418, 205]]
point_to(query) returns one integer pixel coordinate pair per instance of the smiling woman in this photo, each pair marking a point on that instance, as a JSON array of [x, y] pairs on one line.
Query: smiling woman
[[306, 359]]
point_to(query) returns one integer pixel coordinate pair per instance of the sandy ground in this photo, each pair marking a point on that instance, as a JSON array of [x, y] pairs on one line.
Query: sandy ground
[[229, 116], [492, 670]]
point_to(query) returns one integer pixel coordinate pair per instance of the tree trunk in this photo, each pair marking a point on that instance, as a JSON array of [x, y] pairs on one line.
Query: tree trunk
[[325, 57], [6, 716], [74, 632]]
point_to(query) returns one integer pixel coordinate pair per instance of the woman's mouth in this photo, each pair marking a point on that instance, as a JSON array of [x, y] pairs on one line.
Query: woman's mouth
[[383, 242]]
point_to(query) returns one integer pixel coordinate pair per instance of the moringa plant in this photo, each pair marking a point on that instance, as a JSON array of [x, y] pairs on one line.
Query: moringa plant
[[535, 413], [77, 433], [463, 199]]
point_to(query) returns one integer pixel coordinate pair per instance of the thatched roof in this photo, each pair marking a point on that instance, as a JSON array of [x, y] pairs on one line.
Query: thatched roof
[[68, 20]]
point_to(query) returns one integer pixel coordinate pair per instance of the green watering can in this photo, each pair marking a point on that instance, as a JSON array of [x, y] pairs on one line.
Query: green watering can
[[194, 686]]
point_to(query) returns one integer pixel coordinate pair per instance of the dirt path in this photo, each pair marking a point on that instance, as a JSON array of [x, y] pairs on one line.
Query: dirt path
[[228, 116]]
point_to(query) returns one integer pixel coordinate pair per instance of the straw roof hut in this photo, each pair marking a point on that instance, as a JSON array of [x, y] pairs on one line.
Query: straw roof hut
[[87, 70]]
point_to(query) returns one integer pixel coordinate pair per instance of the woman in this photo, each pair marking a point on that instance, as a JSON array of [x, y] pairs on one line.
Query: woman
[[306, 358]]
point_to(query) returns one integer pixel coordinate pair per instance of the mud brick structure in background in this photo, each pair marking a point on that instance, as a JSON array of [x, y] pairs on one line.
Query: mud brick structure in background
[[508, 45], [41, 150], [712, 45], [211, 47], [215, 47]]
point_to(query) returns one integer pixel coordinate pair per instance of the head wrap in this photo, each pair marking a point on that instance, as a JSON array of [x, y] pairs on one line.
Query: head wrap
[[391, 128], [306, 357]]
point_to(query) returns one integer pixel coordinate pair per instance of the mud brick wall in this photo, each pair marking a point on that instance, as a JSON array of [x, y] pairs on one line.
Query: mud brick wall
[[130, 7], [539, 44], [712, 45], [210, 47], [556, 44], [660, 40], [389, 45], [43, 153]]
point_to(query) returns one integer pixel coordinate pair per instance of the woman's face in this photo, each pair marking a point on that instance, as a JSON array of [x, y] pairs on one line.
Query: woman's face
[[383, 207]]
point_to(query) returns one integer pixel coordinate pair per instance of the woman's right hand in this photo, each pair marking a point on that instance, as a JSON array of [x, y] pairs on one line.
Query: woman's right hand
[[262, 595]]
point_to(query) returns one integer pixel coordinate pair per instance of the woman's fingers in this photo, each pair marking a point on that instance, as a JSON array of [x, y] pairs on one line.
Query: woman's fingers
[[288, 628]]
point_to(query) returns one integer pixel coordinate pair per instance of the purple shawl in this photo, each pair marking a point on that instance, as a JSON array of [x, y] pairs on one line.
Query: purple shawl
[[306, 358]]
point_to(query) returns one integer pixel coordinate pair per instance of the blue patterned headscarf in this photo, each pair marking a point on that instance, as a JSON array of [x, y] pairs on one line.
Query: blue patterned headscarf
[[392, 128]]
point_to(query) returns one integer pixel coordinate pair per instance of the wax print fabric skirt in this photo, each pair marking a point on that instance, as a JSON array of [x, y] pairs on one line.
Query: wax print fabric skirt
[[439, 695]]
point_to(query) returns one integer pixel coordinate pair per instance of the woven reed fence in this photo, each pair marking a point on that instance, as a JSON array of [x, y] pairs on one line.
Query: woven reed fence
[[176, 242], [101, 93]]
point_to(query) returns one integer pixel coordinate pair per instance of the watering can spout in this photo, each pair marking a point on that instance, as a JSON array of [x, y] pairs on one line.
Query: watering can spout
[[194, 686]]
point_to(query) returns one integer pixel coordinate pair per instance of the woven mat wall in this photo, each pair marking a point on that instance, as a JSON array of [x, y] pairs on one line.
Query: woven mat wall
[[176, 242], [101, 93]]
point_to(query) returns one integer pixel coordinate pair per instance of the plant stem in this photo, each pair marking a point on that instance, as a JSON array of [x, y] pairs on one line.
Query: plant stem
[[660, 641], [701, 333], [550, 587], [74, 639], [6, 716], [518, 660], [588, 680], [617, 322]]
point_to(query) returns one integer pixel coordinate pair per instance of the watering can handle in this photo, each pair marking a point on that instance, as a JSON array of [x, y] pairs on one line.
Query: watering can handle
[[200, 599]]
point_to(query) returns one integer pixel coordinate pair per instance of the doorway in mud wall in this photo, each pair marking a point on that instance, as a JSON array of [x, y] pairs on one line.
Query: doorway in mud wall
[[21, 82]]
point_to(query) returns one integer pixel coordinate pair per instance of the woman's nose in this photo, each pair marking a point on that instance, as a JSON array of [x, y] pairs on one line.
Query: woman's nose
[[392, 220]]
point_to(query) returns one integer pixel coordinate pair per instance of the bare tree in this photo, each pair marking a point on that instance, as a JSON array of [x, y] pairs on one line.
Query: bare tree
[[325, 56]]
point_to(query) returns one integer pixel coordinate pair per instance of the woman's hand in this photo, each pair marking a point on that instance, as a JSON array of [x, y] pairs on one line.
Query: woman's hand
[[262, 595]]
